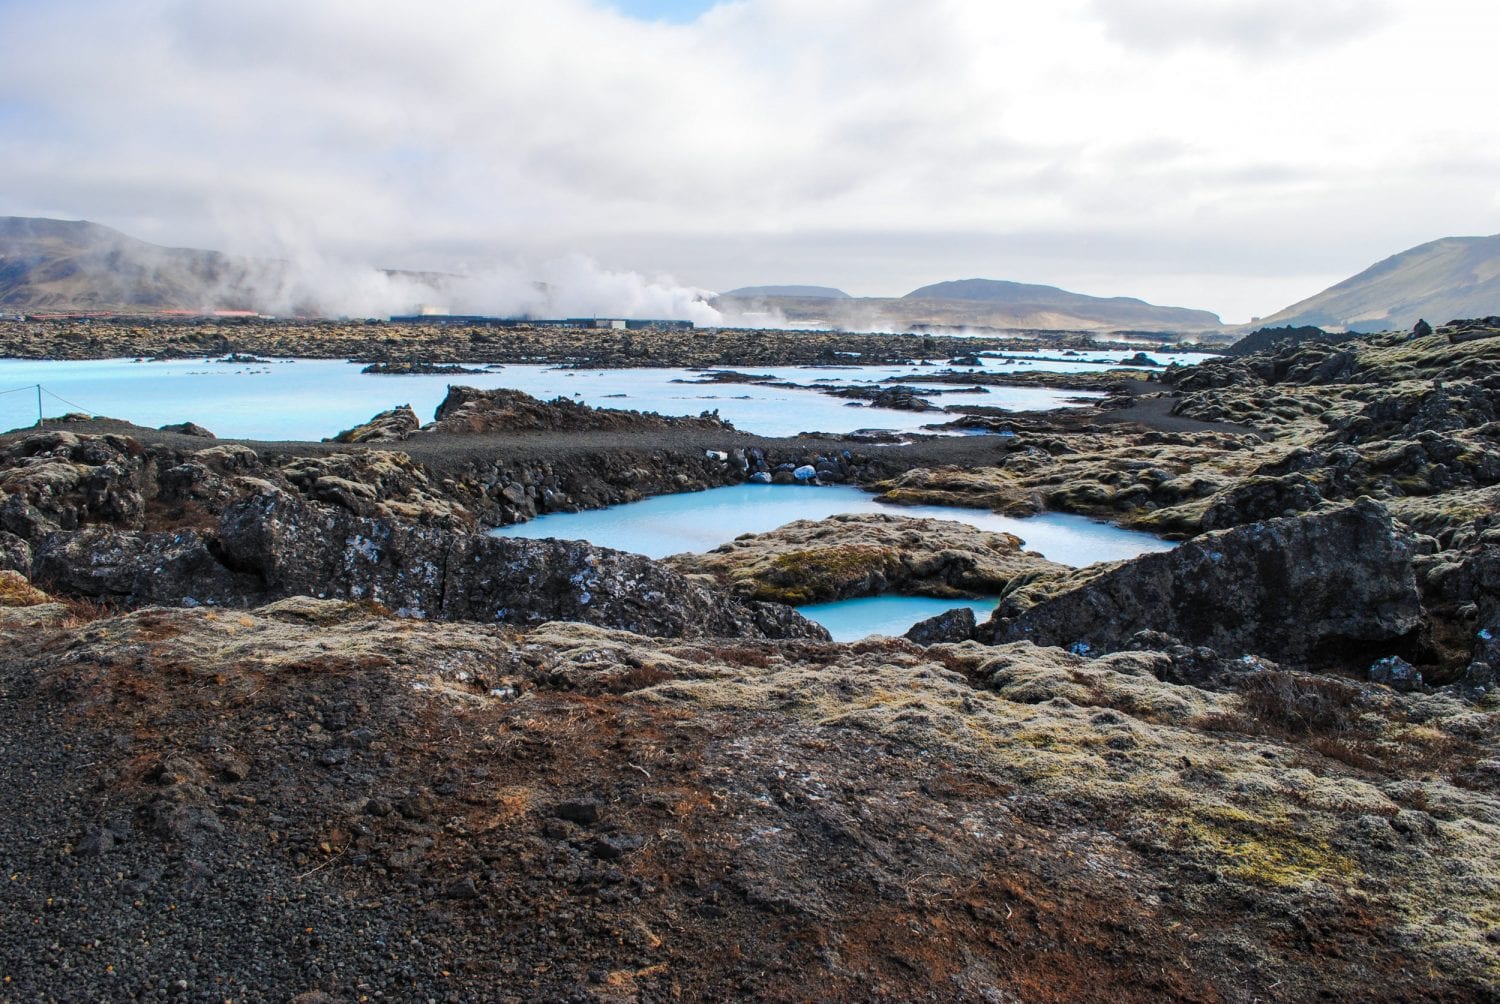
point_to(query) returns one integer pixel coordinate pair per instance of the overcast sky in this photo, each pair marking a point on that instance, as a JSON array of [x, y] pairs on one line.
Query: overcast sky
[[1231, 155]]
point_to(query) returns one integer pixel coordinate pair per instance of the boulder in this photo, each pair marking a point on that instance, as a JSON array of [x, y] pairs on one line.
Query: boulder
[[189, 429], [951, 626], [15, 553], [387, 427], [133, 567], [64, 480], [1328, 586], [1396, 673], [530, 581], [1260, 498]]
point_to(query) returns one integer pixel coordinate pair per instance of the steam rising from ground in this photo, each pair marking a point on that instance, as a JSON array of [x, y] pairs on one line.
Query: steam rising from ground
[[571, 286]]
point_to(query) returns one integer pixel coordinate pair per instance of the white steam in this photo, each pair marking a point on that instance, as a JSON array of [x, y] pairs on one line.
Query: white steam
[[571, 286]]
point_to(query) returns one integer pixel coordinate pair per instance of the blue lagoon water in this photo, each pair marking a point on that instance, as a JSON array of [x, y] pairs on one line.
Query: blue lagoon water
[[701, 521], [851, 620], [310, 399]]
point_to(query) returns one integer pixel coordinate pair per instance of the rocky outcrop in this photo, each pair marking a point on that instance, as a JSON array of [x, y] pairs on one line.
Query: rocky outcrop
[[62, 480], [135, 567], [15, 553], [1261, 498], [272, 543], [512, 490], [419, 367], [1460, 586], [1325, 589], [385, 484], [1138, 481], [866, 554], [468, 410], [895, 397], [387, 427], [948, 627], [189, 429]]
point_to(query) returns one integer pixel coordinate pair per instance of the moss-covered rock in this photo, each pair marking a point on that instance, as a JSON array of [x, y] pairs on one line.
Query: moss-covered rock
[[850, 555]]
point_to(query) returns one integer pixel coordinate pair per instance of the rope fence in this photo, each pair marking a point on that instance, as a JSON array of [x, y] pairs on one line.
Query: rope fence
[[39, 391]]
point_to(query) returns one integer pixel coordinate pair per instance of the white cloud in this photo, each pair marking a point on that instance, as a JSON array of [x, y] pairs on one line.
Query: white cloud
[[1251, 27], [725, 151]]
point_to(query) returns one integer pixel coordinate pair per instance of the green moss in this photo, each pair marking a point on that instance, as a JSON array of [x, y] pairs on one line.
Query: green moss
[[1264, 851], [821, 573]]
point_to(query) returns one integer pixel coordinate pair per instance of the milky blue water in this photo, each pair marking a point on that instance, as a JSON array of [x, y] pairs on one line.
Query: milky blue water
[[303, 399], [701, 521], [1078, 362], [851, 620], [309, 399]]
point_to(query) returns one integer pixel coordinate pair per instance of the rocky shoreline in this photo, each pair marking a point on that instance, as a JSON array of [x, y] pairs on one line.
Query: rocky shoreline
[[303, 731], [420, 347]]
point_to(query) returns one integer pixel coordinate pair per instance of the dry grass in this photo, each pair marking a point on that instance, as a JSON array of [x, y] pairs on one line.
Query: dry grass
[[1294, 705], [85, 610]]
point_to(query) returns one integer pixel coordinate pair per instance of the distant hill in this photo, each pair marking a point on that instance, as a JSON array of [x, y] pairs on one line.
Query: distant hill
[[1440, 280], [1025, 300], [969, 303], [73, 265], [808, 292], [77, 265], [996, 291]]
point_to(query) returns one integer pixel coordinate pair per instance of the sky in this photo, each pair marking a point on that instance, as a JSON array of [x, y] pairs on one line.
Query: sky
[[1231, 155]]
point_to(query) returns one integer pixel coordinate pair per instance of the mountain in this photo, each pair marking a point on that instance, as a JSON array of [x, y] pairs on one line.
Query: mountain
[[1027, 301], [77, 265], [997, 291], [74, 265], [1440, 280], [809, 292], [965, 303]]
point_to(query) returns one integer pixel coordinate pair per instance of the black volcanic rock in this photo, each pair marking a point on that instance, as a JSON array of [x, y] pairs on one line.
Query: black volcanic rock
[[293, 547], [1260, 498], [1264, 338], [135, 567], [470, 410], [948, 627], [1327, 586]]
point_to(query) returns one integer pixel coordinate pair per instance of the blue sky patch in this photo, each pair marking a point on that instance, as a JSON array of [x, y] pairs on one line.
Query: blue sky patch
[[674, 11]]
